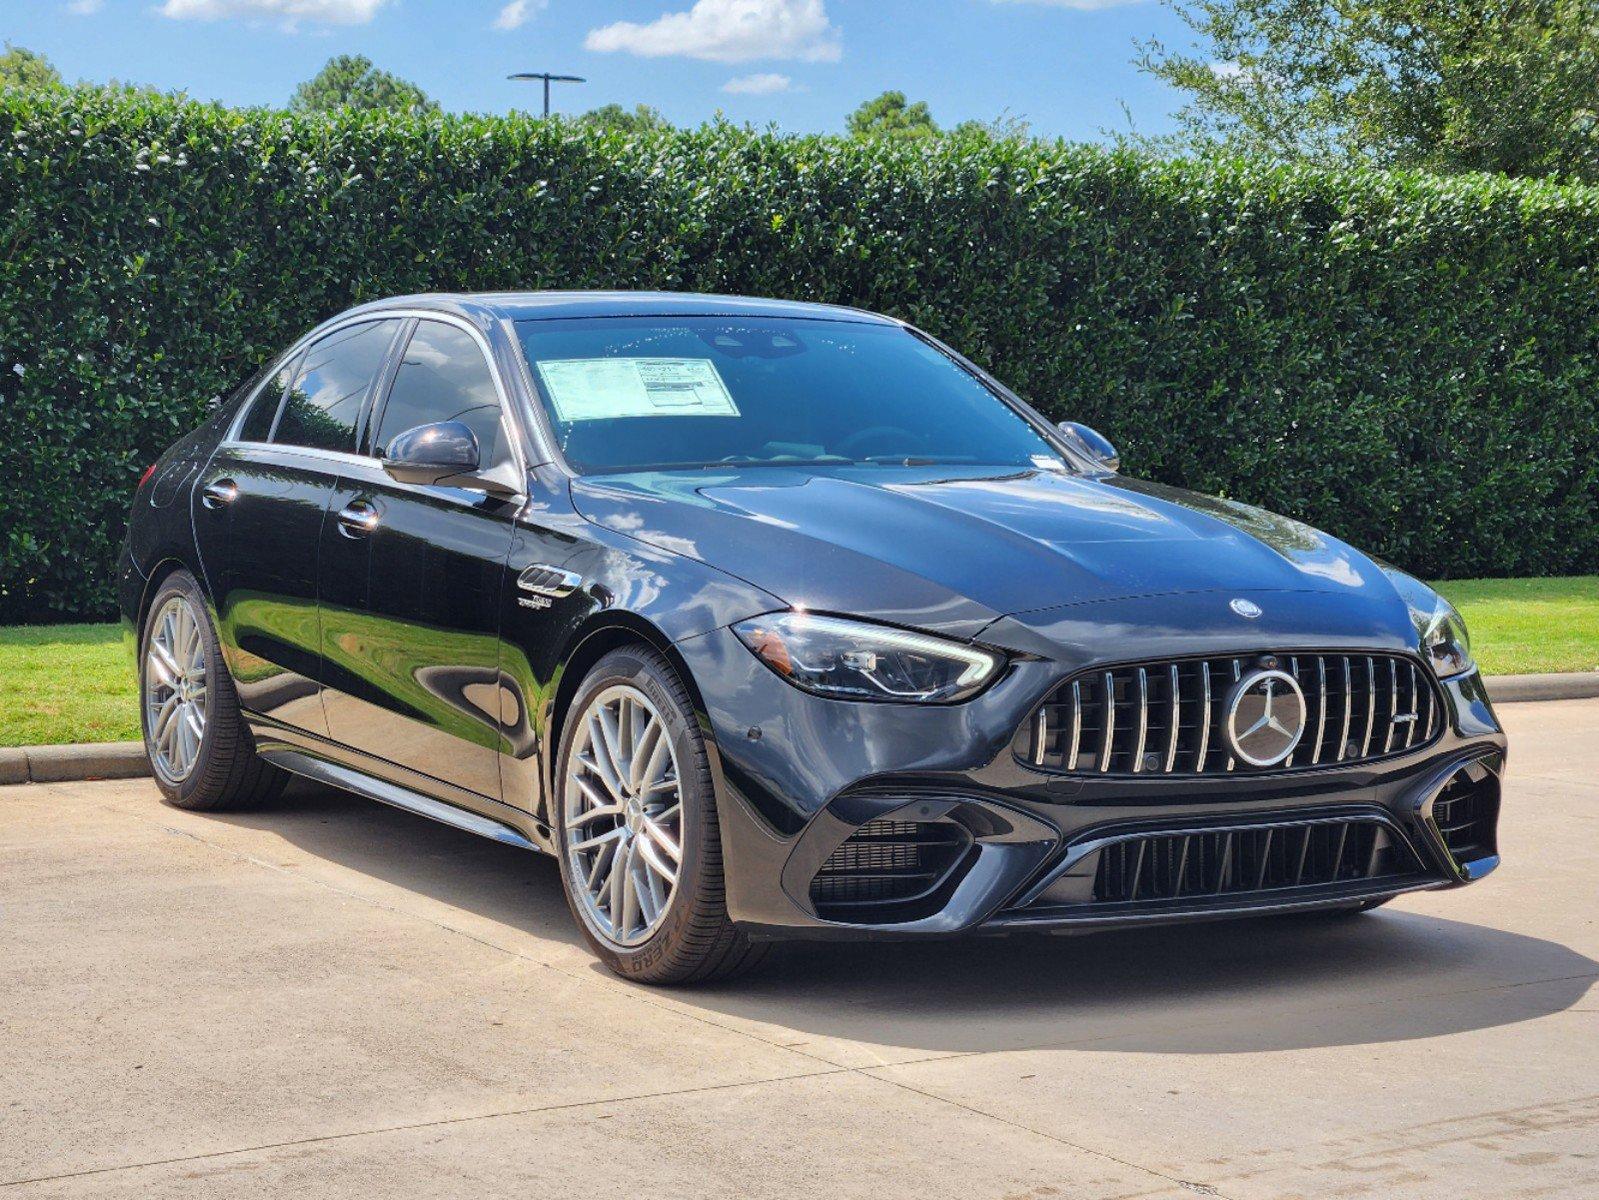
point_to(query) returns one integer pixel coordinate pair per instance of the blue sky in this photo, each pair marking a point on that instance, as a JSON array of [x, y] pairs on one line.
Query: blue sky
[[1064, 65]]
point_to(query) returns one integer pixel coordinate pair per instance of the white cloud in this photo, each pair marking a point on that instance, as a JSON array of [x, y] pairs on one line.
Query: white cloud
[[1080, 5], [728, 31], [326, 12], [1226, 70], [518, 13], [758, 85], [85, 8]]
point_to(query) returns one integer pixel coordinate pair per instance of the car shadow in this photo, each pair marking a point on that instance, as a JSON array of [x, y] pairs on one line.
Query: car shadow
[[1218, 988]]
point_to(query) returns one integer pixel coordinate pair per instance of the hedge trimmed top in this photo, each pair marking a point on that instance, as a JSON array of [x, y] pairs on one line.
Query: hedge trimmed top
[[1409, 362]]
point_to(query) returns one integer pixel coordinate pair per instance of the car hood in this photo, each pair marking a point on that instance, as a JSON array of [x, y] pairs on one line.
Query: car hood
[[954, 549]]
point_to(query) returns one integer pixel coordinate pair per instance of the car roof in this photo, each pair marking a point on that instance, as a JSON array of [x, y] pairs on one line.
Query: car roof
[[534, 306]]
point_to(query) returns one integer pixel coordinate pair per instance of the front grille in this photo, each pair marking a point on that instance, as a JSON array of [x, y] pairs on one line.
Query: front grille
[[888, 862], [1169, 717], [1174, 865], [1467, 814]]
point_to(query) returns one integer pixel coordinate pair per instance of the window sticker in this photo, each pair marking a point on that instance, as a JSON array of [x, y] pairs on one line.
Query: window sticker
[[599, 389]]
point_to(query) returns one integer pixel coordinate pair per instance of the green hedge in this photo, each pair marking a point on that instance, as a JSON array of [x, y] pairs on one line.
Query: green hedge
[[1409, 362]]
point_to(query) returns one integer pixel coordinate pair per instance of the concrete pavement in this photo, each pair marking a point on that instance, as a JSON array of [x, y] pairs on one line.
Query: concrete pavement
[[334, 998]]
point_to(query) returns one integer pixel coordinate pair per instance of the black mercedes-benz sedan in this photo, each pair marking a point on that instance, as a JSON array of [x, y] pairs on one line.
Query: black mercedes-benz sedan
[[771, 619]]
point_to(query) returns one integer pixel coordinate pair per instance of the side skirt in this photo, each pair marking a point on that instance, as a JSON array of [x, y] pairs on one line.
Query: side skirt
[[399, 797]]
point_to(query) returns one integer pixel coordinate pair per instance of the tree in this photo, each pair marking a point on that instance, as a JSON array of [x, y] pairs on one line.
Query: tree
[[351, 81], [1508, 86], [21, 68], [613, 118], [1004, 128], [892, 116]]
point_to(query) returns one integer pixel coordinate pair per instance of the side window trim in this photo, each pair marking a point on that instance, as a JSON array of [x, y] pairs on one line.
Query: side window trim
[[366, 445], [293, 370], [283, 362]]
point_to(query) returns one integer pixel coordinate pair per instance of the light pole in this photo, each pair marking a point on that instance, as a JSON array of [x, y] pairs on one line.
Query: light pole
[[529, 76]]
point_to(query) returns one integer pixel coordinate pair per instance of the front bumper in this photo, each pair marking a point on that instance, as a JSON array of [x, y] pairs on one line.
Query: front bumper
[[797, 776]]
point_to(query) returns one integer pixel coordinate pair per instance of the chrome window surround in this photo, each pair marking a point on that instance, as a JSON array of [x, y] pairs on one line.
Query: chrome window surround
[[509, 422]]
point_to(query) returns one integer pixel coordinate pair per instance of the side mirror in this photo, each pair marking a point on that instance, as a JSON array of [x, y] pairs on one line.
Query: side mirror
[[1091, 444], [427, 454]]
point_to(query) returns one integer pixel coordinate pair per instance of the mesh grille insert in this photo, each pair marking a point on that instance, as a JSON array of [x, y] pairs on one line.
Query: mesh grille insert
[[1171, 866]]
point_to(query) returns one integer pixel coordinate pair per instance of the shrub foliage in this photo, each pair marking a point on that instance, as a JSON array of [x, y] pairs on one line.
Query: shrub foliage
[[1407, 361]]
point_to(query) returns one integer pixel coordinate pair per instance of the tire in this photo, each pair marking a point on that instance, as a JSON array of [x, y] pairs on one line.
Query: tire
[[660, 935], [213, 767]]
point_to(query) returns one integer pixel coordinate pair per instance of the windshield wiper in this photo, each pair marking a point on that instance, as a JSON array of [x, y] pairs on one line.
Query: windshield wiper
[[917, 460]]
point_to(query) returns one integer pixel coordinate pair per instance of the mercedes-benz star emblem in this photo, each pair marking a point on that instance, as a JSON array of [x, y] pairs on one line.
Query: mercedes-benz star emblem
[[1245, 608], [1265, 717]]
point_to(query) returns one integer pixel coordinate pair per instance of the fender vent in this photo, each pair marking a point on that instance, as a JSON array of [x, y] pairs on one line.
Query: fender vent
[[1467, 815], [887, 863]]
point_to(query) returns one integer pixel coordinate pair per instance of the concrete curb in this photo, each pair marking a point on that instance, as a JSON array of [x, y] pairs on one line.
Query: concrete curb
[[1573, 685], [61, 764], [126, 760]]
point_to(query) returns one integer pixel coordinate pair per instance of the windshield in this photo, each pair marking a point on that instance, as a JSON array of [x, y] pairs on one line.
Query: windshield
[[641, 393]]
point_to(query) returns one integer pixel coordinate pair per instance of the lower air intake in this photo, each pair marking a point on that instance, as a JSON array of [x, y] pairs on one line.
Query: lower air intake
[[886, 864], [1467, 814], [1178, 865]]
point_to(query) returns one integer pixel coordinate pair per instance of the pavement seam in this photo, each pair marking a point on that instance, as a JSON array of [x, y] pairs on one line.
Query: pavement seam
[[405, 1127]]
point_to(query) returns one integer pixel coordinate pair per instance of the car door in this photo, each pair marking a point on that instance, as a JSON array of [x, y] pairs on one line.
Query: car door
[[411, 581], [258, 512]]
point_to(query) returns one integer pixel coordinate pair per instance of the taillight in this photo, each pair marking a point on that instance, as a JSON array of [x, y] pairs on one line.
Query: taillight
[[145, 478]]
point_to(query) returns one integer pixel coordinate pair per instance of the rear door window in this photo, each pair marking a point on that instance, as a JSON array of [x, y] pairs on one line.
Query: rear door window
[[330, 390]]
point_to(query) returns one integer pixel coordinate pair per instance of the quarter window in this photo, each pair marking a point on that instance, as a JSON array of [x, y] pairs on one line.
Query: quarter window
[[263, 412], [443, 377], [325, 403]]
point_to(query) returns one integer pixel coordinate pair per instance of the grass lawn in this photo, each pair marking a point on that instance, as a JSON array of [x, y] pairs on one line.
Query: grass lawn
[[73, 683], [1522, 626], [66, 683]]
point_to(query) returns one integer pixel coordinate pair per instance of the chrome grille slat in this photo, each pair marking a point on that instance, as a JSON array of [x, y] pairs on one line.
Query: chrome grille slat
[[1321, 708], [1176, 719], [1393, 705], [1143, 719], [1163, 718], [1237, 675], [1077, 724], [1349, 687], [1371, 707], [1415, 708], [1108, 744]]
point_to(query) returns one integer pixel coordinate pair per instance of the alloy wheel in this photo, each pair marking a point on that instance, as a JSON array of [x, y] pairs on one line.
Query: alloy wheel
[[175, 689], [623, 815]]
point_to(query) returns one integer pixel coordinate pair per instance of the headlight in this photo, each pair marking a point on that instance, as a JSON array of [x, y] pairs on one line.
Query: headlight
[[1443, 638], [852, 660], [1439, 630]]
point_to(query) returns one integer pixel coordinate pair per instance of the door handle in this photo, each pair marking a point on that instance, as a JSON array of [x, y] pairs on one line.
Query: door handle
[[357, 519], [218, 493]]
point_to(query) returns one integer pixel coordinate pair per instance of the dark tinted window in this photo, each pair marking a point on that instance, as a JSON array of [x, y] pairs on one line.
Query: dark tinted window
[[443, 377], [257, 425], [333, 381], [629, 393]]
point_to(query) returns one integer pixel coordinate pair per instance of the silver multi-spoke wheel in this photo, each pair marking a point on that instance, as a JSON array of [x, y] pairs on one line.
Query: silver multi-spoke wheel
[[623, 815], [175, 688]]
